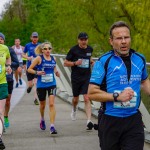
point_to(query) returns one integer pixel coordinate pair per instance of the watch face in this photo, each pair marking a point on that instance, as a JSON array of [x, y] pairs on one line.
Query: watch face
[[116, 94]]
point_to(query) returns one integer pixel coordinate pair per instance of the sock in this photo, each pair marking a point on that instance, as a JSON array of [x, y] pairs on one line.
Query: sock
[[42, 119], [88, 121], [52, 125]]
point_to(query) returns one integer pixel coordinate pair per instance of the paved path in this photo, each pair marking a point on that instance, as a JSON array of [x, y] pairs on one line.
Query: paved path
[[24, 132]]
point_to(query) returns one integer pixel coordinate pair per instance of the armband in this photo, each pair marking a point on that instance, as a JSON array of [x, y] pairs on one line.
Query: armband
[[35, 72]]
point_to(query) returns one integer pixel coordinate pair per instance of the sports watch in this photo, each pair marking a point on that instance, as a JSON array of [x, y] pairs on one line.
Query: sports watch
[[115, 95]]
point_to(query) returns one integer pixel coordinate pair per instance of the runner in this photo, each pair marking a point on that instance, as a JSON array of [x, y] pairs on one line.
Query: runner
[[18, 50], [10, 81], [46, 67], [29, 49], [79, 59], [5, 62]]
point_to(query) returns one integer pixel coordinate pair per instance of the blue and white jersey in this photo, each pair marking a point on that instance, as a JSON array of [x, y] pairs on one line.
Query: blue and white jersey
[[117, 81], [47, 80], [30, 50]]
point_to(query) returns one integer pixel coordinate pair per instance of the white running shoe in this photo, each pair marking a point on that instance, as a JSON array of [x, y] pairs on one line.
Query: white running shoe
[[73, 115]]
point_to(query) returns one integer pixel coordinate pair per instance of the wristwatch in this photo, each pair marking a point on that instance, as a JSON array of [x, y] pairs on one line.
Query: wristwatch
[[115, 95]]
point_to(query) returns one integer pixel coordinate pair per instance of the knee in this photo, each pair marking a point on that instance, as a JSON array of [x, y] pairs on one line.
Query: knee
[[51, 105], [42, 106], [7, 103]]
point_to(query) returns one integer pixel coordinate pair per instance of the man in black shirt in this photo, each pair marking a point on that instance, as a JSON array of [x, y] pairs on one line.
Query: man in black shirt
[[79, 59]]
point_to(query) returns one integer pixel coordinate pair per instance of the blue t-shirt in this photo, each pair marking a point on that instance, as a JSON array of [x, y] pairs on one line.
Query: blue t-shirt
[[47, 80], [117, 81], [30, 50]]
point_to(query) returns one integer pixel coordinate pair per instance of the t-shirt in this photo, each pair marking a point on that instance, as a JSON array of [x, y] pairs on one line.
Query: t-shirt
[[81, 72], [30, 50], [4, 54]]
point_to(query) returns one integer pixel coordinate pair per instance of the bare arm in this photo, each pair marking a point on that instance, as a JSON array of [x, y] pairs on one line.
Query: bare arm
[[91, 61], [96, 94], [8, 61], [25, 56], [145, 86], [69, 63]]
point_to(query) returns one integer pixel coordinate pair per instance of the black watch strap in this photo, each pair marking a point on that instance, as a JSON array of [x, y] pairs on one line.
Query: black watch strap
[[115, 95]]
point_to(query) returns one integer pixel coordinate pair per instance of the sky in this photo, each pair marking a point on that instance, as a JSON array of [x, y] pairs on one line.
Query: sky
[[2, 3]]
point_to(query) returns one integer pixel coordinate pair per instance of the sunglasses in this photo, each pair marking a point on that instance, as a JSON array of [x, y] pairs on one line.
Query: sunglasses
[[45, 48]]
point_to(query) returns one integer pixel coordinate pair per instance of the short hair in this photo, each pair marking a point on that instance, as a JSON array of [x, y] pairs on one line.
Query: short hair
[[117, 25]]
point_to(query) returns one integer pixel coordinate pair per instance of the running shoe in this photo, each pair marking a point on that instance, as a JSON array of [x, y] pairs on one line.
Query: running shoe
[[20, 81], [29, 89], [53, 130], [6, 122], [36, 102], [2, 146], [89, 126], [42, 125], [17, 84], [73, 115]]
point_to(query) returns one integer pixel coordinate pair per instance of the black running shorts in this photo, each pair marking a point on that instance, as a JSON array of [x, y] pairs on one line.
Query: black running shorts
[[80, 88], [116, 133], [10, 86], [42, 92], [30, 76]]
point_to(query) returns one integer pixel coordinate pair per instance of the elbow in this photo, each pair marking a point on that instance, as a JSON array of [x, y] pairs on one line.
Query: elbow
[[29, 70], [65, 64]]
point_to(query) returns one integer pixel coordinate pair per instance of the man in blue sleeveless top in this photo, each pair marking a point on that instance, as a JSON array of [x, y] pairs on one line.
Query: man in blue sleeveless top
[[30, 50], [116, 80]]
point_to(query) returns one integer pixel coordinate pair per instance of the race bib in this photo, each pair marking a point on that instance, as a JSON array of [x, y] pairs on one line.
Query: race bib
[[128, 104], [85, 63], [0, 68], [47, 78]]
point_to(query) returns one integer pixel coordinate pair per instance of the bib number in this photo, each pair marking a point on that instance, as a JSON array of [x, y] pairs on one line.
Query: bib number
[[128, 104], [85, 63], [47, 78]]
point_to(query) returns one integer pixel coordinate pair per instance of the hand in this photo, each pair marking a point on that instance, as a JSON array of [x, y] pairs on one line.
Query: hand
[[57, 74], [78, 62], [30, 58], [126, 95], [41, 73], [8, 69]]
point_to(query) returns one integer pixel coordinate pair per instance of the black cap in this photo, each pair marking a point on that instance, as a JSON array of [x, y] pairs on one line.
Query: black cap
[[82, 35]]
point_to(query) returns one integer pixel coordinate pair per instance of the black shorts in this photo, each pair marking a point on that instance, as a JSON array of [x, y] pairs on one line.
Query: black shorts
[[10, 86], [21, 64], [79, 87], [24, 62], [30, 76], [116, 133], [42, 92]]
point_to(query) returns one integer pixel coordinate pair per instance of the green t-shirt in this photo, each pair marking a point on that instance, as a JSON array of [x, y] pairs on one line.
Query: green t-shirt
[[4, 54]]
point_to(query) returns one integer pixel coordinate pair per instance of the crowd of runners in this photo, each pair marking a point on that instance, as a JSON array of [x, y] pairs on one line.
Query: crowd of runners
[[36, 62]]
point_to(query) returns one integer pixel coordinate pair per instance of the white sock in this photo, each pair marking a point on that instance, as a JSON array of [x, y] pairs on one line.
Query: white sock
[[88, 121]]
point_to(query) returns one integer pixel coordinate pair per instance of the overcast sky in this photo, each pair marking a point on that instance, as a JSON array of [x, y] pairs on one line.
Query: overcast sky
[[2, 3]]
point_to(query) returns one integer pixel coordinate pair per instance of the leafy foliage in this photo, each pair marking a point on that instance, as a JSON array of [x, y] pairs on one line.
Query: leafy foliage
[[60, 22]]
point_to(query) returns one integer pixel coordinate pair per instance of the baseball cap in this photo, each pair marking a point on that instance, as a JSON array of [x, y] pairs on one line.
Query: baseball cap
[[34, 34], [2, 36], [83, 35]]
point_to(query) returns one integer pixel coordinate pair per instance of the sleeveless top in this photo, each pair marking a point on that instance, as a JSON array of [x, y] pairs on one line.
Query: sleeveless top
[[18, 52], [47, 80]]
